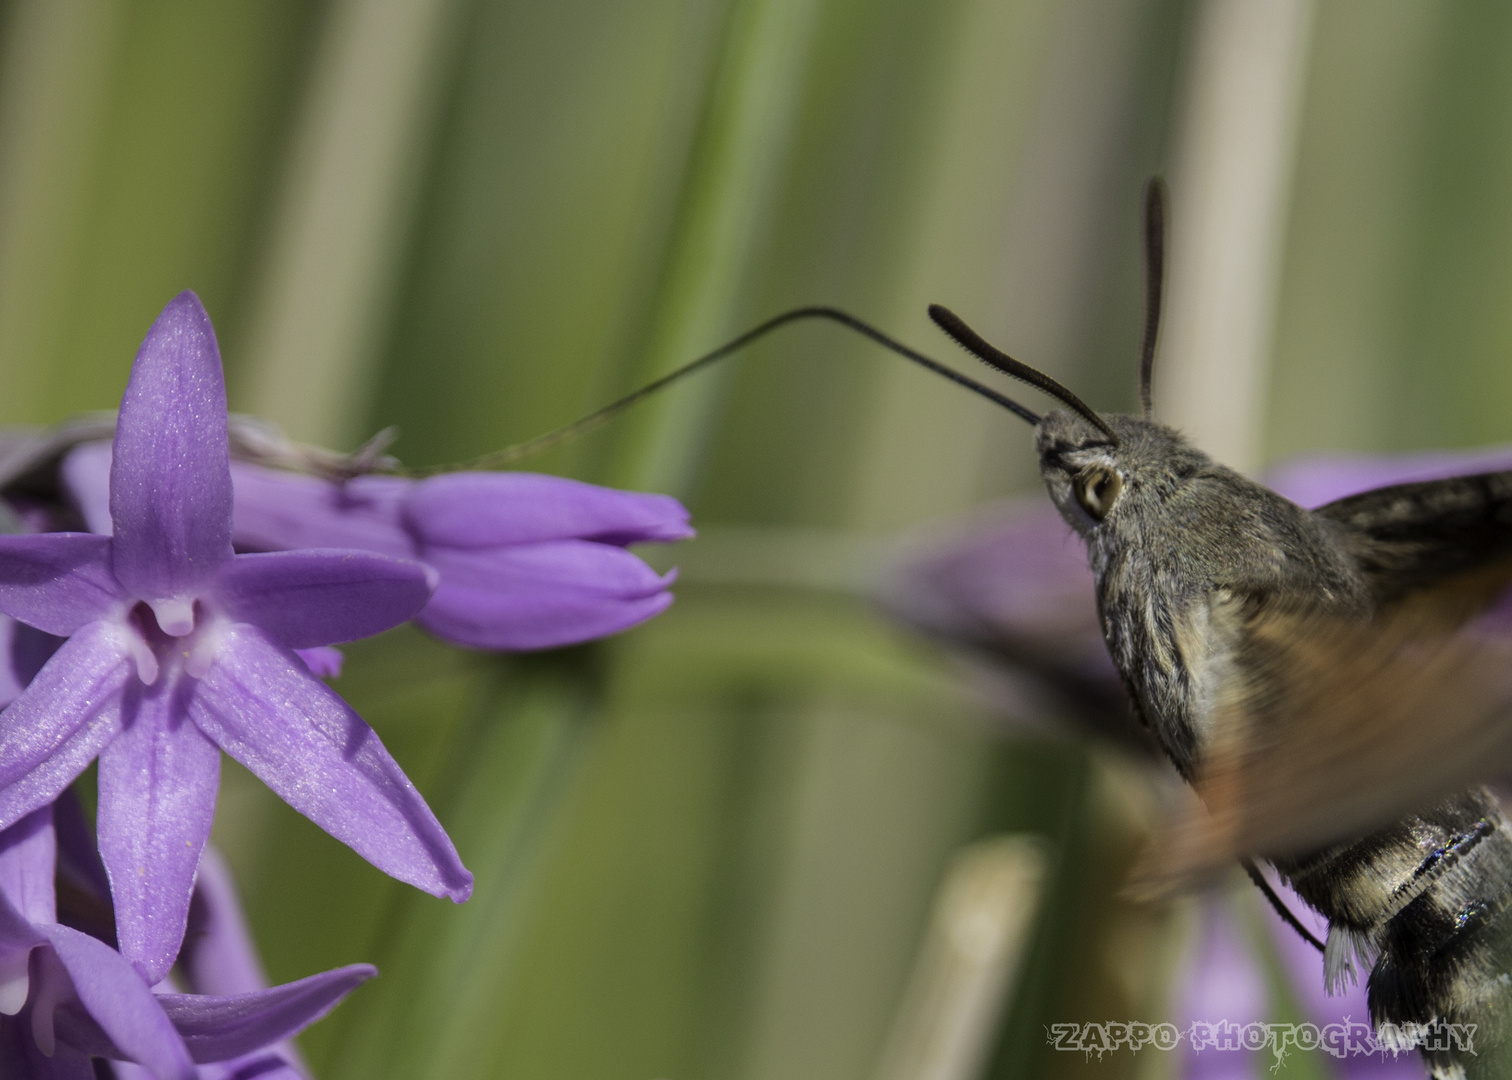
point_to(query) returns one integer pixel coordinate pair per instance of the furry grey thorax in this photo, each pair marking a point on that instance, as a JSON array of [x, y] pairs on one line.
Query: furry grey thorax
[[1422, 903], [1185, 536]]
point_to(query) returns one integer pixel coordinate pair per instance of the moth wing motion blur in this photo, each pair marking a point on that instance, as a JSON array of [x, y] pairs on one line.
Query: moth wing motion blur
[[1329, 728]]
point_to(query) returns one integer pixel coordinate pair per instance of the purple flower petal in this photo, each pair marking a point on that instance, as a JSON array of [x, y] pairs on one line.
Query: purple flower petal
[[261, 1065], [158, 781], [276, 509], [218, 955], [28, 859], [268, 712], [1314, 481], [20, 1058], [323, 661], [66, 1064], [15, 1051], [1014, 577], [1223, 986], [320, 597], [478, 509], [85, 473], [18, 940], [540, 596], [11, 680], [116, 1004], [217, 1028], [24, 650], [57, 582], [17, 934], [219, 958], [66, 716], [1010, 587], [170, 481]]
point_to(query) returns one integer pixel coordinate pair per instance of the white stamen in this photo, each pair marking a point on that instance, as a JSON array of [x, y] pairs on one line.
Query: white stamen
[[15, 983], [146, 662], [204, 649], [138, 651], [175, 616]]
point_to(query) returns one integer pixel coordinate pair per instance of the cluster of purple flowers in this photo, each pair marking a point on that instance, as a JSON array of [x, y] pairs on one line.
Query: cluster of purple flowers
[[197, 616]]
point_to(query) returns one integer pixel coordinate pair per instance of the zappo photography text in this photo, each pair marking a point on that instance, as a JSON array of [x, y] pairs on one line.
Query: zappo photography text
[[1341, 1040]]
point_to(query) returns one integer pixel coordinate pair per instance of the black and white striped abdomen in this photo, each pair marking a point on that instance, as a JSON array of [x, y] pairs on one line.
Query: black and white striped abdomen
[[1424, 906]]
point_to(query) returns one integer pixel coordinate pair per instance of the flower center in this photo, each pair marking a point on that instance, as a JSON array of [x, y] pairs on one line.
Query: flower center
[[168, 635]]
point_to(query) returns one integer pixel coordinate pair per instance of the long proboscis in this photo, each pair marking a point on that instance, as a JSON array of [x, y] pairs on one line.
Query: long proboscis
[[510, 454], [994, 357]]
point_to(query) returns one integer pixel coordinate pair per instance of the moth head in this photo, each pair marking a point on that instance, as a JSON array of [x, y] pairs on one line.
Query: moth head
[[1099, 485]]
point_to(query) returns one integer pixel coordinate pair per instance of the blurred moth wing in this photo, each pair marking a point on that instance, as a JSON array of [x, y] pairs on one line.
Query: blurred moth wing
[[1328, 727]]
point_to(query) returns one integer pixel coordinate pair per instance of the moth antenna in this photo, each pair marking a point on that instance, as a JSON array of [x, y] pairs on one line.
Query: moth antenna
[[594, 419], [1280, 905], [1154, 250], [975, 344]]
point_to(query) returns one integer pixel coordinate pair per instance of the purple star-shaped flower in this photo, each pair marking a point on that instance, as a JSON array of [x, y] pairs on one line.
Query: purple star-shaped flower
[[66, 997], [177, 649]]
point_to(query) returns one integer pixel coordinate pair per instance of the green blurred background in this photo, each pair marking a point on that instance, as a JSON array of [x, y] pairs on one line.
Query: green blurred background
[[709, 848]]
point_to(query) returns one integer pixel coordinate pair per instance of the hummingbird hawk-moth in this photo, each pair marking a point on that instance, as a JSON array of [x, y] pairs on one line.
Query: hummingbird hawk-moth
[[1315, 675]]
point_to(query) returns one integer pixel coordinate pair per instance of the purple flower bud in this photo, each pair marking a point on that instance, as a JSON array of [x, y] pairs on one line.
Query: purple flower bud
[[525, 561]]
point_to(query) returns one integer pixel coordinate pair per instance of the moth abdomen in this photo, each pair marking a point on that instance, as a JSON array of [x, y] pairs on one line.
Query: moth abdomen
[[1426, 903]]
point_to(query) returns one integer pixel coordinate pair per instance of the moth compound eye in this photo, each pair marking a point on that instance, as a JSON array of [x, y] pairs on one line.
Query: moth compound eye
[[1097, 489]]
